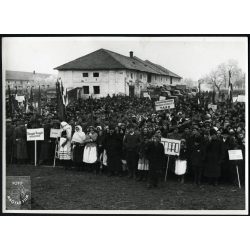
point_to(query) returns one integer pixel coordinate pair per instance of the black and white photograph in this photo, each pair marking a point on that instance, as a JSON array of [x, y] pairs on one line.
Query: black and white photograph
[[125, 125]]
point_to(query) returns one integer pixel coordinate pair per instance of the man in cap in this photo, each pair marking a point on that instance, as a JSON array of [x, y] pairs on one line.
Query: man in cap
[[131, 145]]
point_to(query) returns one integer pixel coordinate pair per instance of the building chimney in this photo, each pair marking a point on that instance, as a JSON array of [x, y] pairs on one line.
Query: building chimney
[[131, 54]]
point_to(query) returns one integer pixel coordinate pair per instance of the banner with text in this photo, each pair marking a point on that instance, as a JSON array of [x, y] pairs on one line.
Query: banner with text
[[171, 146], [164, 104]]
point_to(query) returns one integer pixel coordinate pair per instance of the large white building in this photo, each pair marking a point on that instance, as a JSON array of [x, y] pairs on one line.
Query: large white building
[[104, 72]]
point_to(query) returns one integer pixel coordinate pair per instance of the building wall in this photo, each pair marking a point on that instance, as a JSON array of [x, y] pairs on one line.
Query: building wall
[[111, 81]]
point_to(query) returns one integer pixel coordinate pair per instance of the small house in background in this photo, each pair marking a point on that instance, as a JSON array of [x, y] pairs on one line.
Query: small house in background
[[104, 72], [24, 81]]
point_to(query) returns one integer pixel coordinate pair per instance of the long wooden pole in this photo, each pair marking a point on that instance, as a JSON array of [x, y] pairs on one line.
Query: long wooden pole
[[238, 176], [35, 153], [166, 169], [55, 154]]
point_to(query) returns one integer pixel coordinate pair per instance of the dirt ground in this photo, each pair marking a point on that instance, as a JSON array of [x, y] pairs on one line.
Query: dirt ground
[[59, 189]]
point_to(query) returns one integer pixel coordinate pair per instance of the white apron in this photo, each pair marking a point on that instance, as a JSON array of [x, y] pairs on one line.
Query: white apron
[[64, 153], [180, 167], [143, 164], [90, 153]]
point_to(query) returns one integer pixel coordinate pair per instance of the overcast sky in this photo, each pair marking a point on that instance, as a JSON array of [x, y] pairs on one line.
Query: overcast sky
[[186, 56]]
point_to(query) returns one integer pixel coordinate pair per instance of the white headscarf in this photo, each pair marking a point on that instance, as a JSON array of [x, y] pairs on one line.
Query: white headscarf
[[79, 136], [66, 127]]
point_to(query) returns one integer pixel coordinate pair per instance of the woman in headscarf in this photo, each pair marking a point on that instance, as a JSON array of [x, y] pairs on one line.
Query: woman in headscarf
[[90, 150], [78, 146], [65, 144]]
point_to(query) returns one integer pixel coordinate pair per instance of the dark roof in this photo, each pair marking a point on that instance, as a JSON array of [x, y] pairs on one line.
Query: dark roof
[[23, 76], [167, 71], [103, 59]]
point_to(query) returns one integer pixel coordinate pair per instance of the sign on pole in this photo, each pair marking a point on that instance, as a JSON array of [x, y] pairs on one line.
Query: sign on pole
[[171, 146], [164, 104], [55, 133], [213, 107], [35, 134], [235, 154]]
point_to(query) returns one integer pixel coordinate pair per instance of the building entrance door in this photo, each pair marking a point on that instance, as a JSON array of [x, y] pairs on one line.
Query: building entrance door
[[131, 91]]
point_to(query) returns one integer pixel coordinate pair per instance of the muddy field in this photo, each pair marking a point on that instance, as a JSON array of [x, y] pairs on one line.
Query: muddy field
[[59, 189]]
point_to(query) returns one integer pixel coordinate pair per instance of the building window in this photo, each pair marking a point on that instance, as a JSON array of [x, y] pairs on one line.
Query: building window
[[85, 74], [96, 74], [131, 75], [85, 90], [140, 76], [96, 90], [155, 77]]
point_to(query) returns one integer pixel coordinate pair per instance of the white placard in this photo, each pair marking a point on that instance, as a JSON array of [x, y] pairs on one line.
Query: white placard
[[241, 98], [235, 154], [145, 94], [55, 133], [35, 134], [171, 146], [164, 104], [213, 107], [20, 98], [161, 98]]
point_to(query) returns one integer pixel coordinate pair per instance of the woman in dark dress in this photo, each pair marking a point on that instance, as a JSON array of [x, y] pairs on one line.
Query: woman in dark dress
[[156, 157], [113, 146], [213, 158], [78, 147]]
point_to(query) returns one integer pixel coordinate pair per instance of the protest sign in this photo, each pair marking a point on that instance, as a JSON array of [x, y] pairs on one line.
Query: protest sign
[[171, 146], [241, 98], [55, 133], [213, 107], [235, 154], [35, 134], [164, 104], [161, 98], [20, 98]]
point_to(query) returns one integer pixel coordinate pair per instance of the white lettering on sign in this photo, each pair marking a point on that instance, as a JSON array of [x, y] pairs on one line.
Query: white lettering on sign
[[164, 104], [171, 146], [35, 134], [235, 154]]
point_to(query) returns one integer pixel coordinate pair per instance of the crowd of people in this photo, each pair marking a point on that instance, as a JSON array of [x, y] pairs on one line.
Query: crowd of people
[[121, 136]]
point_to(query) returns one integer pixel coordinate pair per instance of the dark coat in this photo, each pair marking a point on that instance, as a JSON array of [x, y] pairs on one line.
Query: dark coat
[[113, 146], [213, 159], [156, 156], [19, 140]]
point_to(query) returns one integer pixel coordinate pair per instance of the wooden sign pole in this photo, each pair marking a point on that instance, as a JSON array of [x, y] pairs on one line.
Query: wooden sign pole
[[35, 153], [55, 154], [238, 176], [166, 169]]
